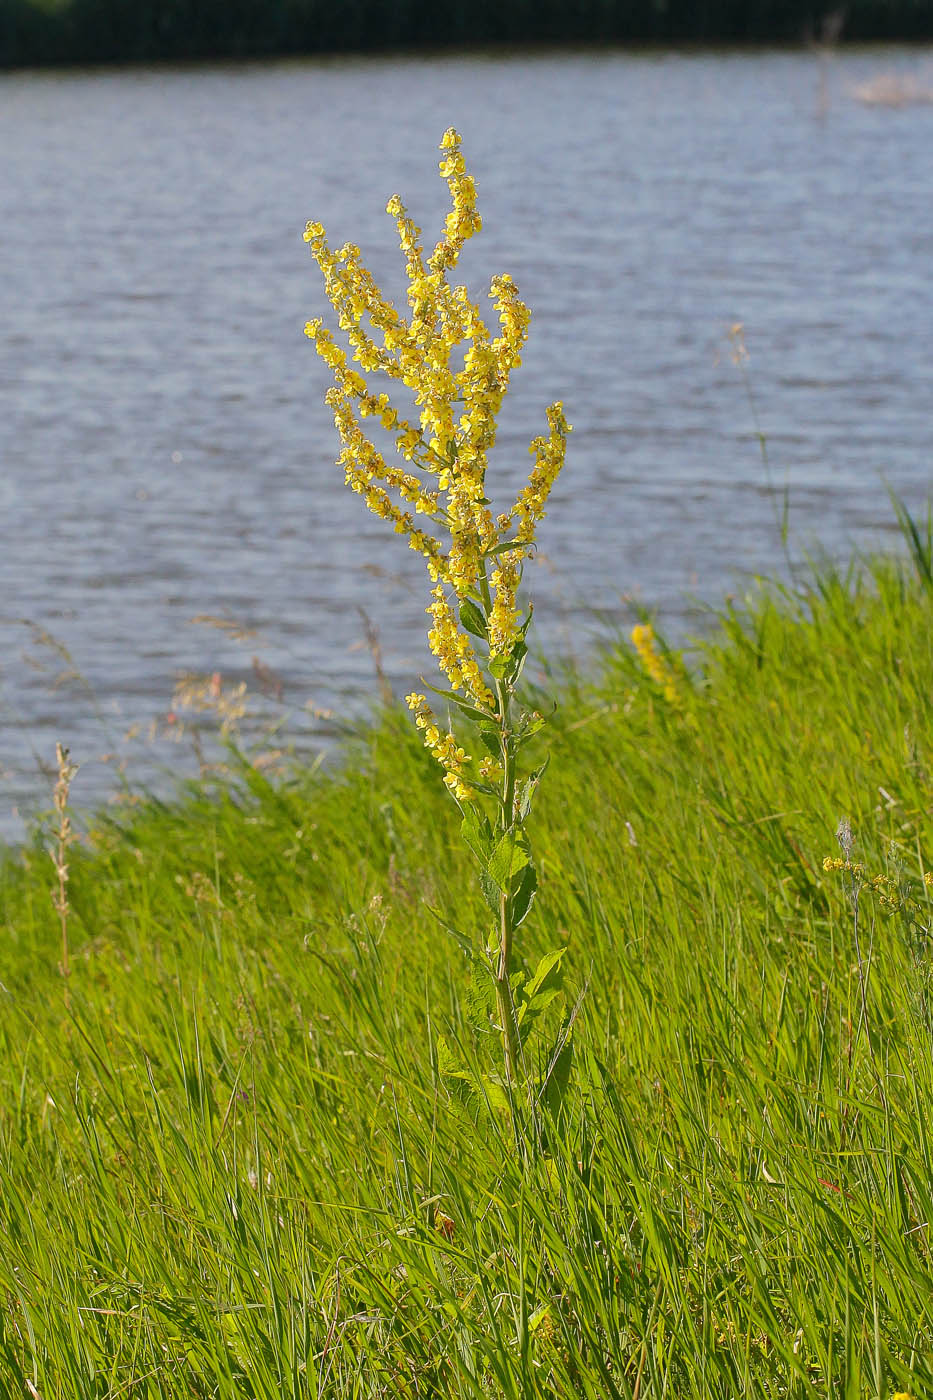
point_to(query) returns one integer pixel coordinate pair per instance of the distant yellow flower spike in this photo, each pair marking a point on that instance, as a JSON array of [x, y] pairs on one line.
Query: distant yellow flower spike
[[657, 666]]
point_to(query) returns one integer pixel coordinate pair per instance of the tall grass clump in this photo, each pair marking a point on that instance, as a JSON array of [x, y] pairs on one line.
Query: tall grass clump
[[233, 1167]]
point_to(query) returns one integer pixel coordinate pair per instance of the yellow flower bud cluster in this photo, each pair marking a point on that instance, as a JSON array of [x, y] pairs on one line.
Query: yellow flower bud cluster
[[831, 863], [894, 894], [444, 747], [457, 372], [656, 665]]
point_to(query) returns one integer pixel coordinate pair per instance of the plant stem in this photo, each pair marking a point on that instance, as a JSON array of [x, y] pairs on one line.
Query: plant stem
[[510, 1042], [503, 968]]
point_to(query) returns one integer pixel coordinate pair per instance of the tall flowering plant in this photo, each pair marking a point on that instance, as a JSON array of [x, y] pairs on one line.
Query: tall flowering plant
[[457, 369]]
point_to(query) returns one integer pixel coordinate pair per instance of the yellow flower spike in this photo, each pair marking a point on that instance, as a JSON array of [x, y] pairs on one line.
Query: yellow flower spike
[[505, 617], [656, 665], [454, 652]]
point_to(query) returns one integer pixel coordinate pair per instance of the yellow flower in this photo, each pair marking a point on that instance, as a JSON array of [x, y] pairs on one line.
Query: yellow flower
[[457, 374], [657, 665], [454, 652]]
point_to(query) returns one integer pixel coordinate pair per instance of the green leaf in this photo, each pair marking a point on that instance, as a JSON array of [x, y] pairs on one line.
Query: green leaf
[[446, 1060], [509, 668], [477, 833], [480, 997], [549, 964], [476, 786], [490, 891], [465, 943], [458, 700], [529, 1011], [526, 789], [496, 1094], [510, 856], [557, 1078], [489, 738], [524, 895], [502, 548], [460, 1081], [472, 619]]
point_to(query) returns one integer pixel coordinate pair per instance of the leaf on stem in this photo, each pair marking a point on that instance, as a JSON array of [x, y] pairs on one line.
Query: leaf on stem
[[477, 833], [510, 856], [472, 619], [455, 933], [527, 789], [524, 895]]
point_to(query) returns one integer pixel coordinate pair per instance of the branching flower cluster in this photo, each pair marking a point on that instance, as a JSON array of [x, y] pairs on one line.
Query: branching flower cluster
[[458, 371]]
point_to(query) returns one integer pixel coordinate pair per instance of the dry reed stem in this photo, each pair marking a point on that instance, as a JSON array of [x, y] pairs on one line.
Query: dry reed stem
[[64, 835]]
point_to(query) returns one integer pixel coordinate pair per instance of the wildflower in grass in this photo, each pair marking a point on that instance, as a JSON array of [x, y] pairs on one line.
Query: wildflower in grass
[[655, 662], [457, 370]]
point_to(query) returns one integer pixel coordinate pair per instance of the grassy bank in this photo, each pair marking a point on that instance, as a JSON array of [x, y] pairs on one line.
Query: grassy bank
[[231, 1169], [104, 31]]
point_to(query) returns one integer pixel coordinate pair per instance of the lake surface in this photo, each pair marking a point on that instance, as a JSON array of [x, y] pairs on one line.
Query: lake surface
[[164, 452]]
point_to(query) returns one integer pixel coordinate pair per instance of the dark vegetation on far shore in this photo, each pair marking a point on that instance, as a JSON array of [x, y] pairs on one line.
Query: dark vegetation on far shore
[[38, 32]]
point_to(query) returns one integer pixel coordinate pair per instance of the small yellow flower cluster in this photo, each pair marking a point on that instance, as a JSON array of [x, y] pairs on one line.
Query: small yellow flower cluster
[[454, 653], [656, 665], [549, 458], [444, 747], [894, 894], [837, 863], [458, 409], [504, 618]]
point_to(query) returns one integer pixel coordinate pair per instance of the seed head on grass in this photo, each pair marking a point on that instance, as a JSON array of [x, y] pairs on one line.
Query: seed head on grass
[[63, 837]]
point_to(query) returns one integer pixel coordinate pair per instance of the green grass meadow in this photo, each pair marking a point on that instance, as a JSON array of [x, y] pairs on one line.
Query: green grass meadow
[[230, 1166]]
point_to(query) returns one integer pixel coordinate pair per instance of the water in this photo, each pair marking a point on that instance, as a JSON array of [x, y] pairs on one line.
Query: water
[[164, 450]]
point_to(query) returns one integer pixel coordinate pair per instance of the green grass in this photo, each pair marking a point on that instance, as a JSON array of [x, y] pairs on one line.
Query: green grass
[[221, 1163]]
